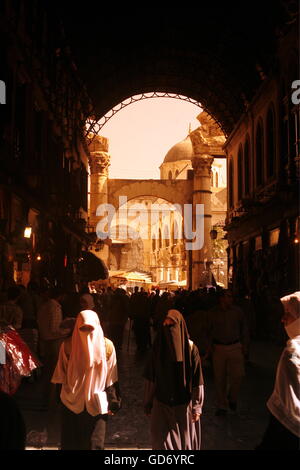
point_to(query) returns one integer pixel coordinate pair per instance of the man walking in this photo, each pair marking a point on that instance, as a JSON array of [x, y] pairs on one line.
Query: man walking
[[228, 343]]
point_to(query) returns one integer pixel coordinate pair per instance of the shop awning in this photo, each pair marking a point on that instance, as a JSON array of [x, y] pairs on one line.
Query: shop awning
[[91, 268], [133, 276], [172, 283]]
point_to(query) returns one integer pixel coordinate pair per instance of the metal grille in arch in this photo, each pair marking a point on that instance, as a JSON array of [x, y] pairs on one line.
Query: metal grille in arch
[[94, 127]]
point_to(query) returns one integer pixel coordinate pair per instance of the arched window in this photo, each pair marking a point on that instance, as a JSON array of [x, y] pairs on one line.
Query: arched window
[[259, 154], [217, 179], [176, 173], [212, 178], [166, 236], [247, 166], [172, 234], [170, 175], [153, 242], [284, 137], [159, 240], [284, 128], [230, 184], [293, 71], [175, 231], [271, 145], [240, 173]]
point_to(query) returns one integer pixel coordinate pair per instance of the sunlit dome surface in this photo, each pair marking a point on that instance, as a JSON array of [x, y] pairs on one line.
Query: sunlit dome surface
[[181, 151]]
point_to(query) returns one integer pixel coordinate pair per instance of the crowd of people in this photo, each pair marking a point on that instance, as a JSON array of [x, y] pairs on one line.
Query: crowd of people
[[26, 309], [74, 332]]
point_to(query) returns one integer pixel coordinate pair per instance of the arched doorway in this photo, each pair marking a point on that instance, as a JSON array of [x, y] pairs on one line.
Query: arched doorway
[[142, 239]]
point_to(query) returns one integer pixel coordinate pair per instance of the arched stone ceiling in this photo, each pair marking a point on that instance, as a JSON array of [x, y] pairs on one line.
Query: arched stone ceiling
[[215, 53]]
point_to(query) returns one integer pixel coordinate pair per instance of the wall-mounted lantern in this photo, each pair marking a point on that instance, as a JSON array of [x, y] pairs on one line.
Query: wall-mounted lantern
[[27, 231]]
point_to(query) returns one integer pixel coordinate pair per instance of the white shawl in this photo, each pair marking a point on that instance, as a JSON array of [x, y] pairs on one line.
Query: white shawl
[[284, 402], [86, 373]]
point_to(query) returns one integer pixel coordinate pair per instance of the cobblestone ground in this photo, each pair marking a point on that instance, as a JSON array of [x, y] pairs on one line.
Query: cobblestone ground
[[129, 428]]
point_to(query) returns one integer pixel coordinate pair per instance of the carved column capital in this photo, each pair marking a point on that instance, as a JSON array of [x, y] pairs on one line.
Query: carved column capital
[[99, 163], [198, 143], [208, 138], [98, 143], [202, 165]]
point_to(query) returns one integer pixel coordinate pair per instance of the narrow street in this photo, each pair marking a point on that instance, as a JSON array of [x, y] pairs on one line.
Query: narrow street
[[129, 429], [148, 163]]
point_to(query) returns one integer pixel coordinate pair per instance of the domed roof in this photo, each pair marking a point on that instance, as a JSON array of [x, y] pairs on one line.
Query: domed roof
[[181, 151]]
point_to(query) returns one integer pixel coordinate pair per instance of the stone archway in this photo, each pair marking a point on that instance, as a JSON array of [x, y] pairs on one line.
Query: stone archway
[[152, 217], [192, 194], [175, 192], [203, 56]]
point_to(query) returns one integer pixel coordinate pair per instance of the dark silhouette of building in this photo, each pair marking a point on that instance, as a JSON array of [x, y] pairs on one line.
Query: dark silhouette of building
[[43, 152]]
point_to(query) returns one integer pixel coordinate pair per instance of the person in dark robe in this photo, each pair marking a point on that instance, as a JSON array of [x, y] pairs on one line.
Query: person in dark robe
[[174, 391], [140, 313], [118, 316]]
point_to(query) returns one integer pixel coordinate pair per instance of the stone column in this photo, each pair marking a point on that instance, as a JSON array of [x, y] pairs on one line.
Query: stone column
[[207, 140], [99, 161], [201, 259]]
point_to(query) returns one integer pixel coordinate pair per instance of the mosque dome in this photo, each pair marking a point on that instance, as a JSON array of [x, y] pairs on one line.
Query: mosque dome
[[181, 151]]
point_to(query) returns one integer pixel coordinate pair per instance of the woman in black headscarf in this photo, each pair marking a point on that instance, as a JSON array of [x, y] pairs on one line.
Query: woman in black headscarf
[[174, 387]]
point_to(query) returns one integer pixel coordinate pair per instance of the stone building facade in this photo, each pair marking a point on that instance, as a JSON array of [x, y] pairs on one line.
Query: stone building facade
[[43, 151], [263, 155]]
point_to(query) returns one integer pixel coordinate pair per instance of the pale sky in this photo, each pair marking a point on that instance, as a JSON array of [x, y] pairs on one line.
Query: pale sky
[[141, 134]]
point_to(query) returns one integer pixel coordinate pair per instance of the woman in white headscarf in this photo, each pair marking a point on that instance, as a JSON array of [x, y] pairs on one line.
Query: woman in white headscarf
[[283, 431], [87, 370]]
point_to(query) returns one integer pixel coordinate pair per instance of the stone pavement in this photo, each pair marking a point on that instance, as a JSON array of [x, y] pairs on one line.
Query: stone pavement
[[129, 428]]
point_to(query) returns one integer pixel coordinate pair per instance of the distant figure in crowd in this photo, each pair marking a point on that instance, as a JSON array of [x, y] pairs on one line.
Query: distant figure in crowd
[[12, 428], [283, 431], [87, 302], [51, 335], [10, 312], [105, 299], [228, 344], [118, 316], [197, 328], [154, 300], [163, 304], [174, 391], [30, 302], [87, 371], [140, 311]]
